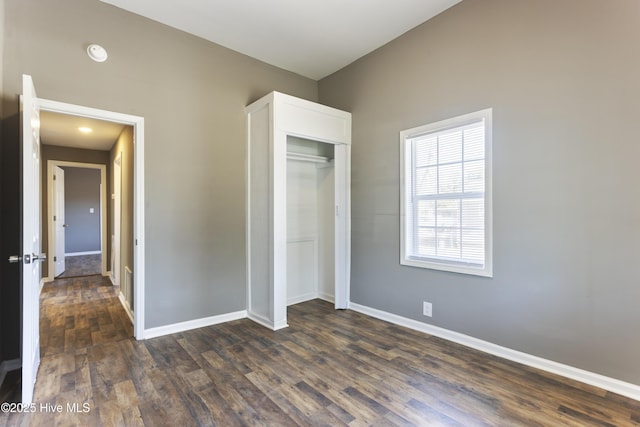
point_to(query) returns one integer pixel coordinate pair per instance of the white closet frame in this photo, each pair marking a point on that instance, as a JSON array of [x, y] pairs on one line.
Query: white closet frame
[[270, 120]]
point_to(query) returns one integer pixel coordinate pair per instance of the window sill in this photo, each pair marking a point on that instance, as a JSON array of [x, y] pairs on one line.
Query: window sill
[[483, 271]]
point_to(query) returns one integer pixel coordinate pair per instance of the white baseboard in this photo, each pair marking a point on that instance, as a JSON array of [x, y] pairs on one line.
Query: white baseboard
[[82, 253], [261, 320], [311, 296], [125, 305], [113, 282], [327, 297], [302, 298], [280, 325], [8, 366], [193, 324], [613, 385]]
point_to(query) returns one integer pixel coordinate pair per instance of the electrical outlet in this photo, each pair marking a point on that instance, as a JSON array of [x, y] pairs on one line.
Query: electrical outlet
[[427, 309]]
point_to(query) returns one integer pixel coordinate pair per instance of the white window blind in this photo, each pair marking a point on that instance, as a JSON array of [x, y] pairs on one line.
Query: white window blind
[[446, 195]]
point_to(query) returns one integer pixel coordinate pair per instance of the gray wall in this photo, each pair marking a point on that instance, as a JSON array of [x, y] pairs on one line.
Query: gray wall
[[562, 78], [192, 94], [82, 193]]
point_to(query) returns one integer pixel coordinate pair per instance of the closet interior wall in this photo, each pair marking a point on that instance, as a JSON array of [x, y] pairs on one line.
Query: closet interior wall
[[310, 221]]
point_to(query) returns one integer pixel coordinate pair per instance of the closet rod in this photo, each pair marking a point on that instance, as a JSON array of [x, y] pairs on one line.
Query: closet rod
[[307, 157]]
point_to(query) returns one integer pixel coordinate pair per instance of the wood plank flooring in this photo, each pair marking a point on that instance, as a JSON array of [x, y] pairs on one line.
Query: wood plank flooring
[[332, 368], [82, 265]]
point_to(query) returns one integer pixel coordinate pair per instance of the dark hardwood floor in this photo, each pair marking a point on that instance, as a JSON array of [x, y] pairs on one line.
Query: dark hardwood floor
[[11, 388], [328, 368], [82, 265]]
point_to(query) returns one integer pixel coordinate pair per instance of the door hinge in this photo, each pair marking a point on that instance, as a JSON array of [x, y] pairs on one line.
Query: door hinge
[[54, 177], [55, 258], [54, 218]]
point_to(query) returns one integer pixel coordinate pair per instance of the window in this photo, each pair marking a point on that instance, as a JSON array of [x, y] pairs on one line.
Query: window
[[446, 195]]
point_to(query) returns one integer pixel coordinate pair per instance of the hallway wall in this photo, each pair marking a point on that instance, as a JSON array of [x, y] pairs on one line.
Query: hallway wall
[[82, 193], [124, 145]]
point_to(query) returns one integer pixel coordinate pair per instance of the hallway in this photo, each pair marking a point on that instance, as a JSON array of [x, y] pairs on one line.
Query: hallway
[[83, 265], [76, 314], [82, 327]]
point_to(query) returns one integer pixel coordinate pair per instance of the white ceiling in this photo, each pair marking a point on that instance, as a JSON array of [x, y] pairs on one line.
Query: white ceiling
[[62, 130], [310, 38]]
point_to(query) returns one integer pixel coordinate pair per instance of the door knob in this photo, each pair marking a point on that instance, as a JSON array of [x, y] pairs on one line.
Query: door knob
[[14, 258], [34, 257], [65, 225]]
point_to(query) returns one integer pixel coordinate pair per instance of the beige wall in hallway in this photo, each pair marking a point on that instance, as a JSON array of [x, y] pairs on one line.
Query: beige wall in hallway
[[124, 145]]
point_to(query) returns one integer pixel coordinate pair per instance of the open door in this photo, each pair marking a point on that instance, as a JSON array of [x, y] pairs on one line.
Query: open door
[[59, 260], [31, 274]]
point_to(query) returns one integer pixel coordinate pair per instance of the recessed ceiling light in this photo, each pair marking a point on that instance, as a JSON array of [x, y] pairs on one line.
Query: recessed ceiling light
[[85, 129], [97, 53]]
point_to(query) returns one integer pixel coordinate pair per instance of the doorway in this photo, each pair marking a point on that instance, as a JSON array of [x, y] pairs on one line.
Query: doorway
[[87, 232], [278, 123], [136, 124], [310, 220]]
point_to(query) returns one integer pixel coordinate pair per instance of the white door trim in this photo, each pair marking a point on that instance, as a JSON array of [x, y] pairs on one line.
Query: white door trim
[[59, 231], [51, 164], [116, 232], [138, 193]]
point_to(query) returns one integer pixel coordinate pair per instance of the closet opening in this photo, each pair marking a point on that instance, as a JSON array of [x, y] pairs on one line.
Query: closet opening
[[310, 220], [298, 206]]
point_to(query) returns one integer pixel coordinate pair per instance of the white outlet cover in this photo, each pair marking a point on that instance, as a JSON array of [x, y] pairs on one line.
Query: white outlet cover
[[427, 309]]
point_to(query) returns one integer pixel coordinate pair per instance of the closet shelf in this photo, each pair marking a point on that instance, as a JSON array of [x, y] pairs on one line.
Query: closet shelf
[[307, 157]]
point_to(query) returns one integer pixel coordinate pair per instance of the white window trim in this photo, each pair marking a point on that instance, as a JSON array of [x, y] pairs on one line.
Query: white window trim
[[405, 135]]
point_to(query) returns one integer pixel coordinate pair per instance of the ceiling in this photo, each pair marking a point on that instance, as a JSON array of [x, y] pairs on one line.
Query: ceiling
[[61, 129], [310, 38]]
